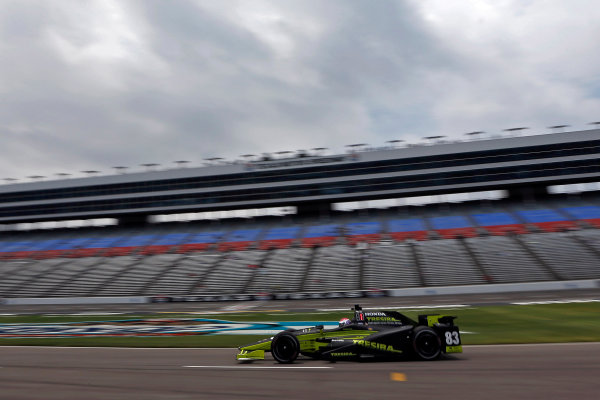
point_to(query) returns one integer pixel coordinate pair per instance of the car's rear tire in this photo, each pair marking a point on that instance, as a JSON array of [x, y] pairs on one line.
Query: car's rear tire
[[426, 343], [285, 348]]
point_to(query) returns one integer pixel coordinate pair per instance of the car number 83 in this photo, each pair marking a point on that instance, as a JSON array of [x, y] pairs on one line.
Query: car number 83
[[452, 338]]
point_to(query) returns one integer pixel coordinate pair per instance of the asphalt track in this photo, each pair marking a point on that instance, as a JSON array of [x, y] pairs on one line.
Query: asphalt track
[[548, 371]]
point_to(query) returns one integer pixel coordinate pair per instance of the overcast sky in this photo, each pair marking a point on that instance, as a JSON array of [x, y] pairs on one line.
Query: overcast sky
[[95, 84]]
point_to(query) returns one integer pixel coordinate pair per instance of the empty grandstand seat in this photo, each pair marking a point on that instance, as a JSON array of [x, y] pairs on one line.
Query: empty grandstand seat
[[164, 243], [321, 235], [38, 249], [96, 246], [4, 252], [128, 245], [546, 219], [499, 223], [589, 214], [200, 241], [42, 249], [279, 238], [69, 246], [363, 232], [45, 249], [451, 227], [20, 249], [239, 239], [402, 229], [57, 248]]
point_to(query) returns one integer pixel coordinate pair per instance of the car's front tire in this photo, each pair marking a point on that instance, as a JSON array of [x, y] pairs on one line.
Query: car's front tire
[[285, 348], [426, 343]]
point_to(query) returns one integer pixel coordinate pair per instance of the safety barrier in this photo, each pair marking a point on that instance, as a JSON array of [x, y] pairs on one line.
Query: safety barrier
[[412, 292]]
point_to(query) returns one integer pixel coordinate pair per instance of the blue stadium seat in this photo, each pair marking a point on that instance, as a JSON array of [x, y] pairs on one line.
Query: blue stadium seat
[[589, 214], [200, 241], [499, 223], [494, 219], [412, 228], [546, 219], [240, 239], [290, 232], [454, 222], [363, 232], [453, 226], [363, 228], [321, 235], [279, 237]]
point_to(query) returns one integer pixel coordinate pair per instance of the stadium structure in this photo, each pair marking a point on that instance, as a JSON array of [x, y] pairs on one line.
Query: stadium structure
[[531, 236]]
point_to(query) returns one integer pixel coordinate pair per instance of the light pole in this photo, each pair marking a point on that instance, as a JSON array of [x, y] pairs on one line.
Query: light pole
[[558, 128], [355, 147], [394, 142], [432, 138], [181, 163], [149, 166], [515, 130], [474, 133], [212, 160], [595, 123]]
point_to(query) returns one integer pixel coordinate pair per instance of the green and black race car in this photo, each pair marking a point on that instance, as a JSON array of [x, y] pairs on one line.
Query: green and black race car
[[369, 335]]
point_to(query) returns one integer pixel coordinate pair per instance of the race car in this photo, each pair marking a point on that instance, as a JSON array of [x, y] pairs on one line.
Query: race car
[[369, 335]]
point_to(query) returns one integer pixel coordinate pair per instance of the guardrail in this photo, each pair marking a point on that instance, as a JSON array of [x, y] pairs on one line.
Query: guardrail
[[408, 292]]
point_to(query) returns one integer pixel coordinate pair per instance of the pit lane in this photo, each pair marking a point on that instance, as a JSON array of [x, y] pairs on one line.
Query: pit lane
[[557, 371]]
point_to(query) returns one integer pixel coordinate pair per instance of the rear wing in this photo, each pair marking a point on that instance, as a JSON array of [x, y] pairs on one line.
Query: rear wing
[[430, 320], [445, 328]]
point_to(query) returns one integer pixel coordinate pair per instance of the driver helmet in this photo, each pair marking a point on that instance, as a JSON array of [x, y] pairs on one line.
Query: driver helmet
[[345, 321]]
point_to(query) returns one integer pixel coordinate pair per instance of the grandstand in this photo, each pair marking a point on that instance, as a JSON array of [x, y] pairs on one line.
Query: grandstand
[[527, 237], [359, 251]]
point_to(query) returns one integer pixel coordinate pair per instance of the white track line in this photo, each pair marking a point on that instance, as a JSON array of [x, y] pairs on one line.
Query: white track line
[[542, 302], [469, 346], [250, 367]]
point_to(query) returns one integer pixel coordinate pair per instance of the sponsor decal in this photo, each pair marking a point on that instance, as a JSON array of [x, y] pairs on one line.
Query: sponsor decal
[[376, 346], [375, 314], [382, 319], [343, 354]]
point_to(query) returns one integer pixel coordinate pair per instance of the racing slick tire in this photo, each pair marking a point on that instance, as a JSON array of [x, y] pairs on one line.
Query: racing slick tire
[[285, 348], [426, 343]]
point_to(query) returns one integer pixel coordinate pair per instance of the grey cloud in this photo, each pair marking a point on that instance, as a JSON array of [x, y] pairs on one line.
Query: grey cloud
[[90, 85]]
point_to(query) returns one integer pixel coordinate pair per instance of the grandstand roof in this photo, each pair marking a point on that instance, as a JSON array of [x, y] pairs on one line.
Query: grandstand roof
[[506, 162]]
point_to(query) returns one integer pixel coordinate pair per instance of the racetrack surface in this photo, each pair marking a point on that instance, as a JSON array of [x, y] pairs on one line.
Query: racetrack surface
[[547, 371]]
